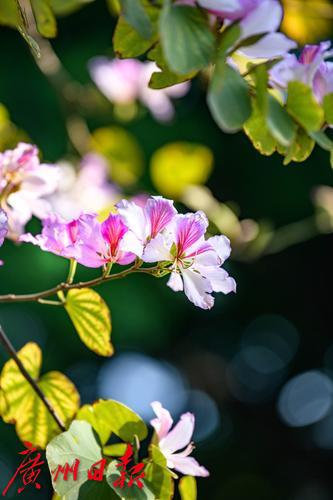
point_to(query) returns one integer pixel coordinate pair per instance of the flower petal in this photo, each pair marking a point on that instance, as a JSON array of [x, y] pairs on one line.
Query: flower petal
[[163, 423], [134, 218], [218, 278], [222, 247], [197, 289], [266, 18], [175, 282], [269, 46], [187, 465], [158, 249], [159, 212], [180, 436]]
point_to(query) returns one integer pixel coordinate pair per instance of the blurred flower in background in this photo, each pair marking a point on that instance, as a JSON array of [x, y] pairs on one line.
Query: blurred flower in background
[[307, 21], [85, 188], [125, 82]]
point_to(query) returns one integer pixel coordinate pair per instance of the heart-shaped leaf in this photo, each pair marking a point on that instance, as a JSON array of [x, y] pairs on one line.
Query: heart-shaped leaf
[[91, 318], [302, 105], [109, 417], [25, 409]]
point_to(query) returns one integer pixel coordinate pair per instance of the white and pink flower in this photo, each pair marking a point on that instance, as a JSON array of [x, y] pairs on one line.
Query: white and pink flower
[[25, 184], [125, 81], [195, 263], [171, 441]]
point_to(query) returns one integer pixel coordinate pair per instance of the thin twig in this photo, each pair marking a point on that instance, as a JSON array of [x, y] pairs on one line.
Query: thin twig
[[13, 354], [62, 287]]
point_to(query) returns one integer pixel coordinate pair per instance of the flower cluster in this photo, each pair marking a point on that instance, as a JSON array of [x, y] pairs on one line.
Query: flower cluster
[[179, 438], [255, 17], [153, 233], [311, 68], [126, 81], [24, 185]]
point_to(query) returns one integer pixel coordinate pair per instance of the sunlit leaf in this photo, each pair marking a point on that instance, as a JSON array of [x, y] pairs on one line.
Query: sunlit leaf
[[25, 409], [115, 450], [122, 151], [127, 41], [188, 488], [127, 493], [257, 131], [279, 123], [109, 417], [78, 443], [300, 149], [302, 105], [160, 481], [178, 165], [9, 13], [135, 14], [328, 108], [91, 318], [188, 44], [228, 98], [45, 20]]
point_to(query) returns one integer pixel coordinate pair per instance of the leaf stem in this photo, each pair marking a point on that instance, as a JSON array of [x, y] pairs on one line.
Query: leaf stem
[[71, 271], [13, 354]]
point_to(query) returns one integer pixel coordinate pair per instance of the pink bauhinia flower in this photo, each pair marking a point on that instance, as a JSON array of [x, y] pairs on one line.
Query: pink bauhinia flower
[[311, 68], [179, 438], [126, 81], [87, 241], [149, 220], [255, 17], [24, 184], [194, 263], [3, 228]]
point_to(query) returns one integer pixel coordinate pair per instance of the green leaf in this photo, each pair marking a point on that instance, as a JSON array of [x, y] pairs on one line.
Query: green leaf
[[300, 149], [302, 106], [127, 42], [127, 493], [228, 98], [165, 77], [115, 450], [324, 142], [188, 44], [64, 7], [229, 37], [21, 405], [160, 481], [45, 20], [98, 490], [136, 15], [91, 318], [9, 13], [109, 417], [257, 131], [78, 442], [188, 488], [279, 123], [328, 108]]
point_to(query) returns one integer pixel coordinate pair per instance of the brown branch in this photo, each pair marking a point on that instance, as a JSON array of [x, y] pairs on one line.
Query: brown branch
[[13, 354], [62, 287]]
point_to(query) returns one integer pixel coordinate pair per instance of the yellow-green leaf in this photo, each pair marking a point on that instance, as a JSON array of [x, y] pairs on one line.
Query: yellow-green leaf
[[91, 318], [22, 405], [110, 416], [115, 450], [328, 108], [178, 165], [302, 105], [188, 488], [45, 20], [257, 131]]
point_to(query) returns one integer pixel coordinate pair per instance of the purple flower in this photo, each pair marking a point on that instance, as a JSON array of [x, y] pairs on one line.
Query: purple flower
[[126, 81], [310, 68], [119, 245], [195, 263], [178, 438]]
